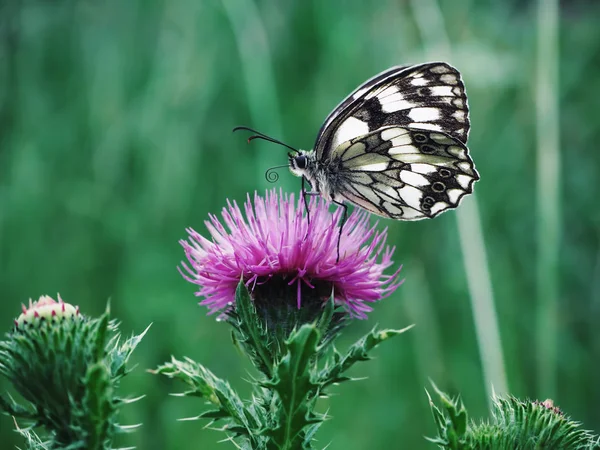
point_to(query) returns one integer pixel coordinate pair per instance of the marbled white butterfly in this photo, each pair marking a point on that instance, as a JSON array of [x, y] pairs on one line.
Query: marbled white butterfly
[[396, 146]]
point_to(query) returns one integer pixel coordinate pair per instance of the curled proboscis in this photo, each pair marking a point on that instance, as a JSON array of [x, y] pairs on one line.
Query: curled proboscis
[[271, 175]]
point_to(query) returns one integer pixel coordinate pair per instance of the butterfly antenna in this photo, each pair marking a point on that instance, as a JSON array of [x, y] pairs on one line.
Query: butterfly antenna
[[259, 135]]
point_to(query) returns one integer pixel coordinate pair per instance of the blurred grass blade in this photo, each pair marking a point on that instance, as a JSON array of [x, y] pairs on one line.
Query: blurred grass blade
[[430, 22], [482, 298], [435, 39], [548, 188], [420, 309], [253, 46]]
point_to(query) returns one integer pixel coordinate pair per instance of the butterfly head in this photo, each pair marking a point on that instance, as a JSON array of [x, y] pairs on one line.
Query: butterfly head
[[302, 163], [298, 162]]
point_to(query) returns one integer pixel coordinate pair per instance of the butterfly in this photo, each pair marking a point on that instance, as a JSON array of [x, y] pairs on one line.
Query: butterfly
[[396, 146]]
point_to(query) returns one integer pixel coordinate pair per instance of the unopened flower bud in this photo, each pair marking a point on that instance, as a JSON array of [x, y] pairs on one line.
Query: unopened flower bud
[[46, 309]]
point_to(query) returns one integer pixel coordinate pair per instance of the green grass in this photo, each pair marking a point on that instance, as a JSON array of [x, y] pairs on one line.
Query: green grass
[[115, 135]]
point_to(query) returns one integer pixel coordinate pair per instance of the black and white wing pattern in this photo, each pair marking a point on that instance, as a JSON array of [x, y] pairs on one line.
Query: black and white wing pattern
[[428, 96], [398, 143], [404, 174], [357, 94]]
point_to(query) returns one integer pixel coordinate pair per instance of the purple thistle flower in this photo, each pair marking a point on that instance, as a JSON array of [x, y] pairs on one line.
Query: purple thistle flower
[[280, 255]]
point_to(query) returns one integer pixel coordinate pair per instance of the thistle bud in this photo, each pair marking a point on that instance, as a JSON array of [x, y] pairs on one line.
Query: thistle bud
[[46, 309], [67, 368]]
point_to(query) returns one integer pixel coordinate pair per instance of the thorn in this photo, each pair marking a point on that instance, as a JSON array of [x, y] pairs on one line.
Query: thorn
[[23, 308]]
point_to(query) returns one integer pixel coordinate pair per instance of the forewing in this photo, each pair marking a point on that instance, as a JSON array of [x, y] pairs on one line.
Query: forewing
[[404, 173], [357, 94], [428, 96]]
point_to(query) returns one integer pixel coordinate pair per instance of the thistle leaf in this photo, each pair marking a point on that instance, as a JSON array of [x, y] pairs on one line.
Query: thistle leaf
[[119, 355], [325, 319], [251, 333], [11, 407], [359, 351], [203, 383]]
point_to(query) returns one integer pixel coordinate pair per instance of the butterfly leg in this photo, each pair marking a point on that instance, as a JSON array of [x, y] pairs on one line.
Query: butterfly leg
[[305, 195], [344, 218]]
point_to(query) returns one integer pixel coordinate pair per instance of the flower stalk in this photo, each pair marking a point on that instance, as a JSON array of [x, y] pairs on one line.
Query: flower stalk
[[291, 377]]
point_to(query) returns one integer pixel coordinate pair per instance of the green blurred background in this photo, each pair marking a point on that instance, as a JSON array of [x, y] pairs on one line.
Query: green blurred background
[[115, 135]]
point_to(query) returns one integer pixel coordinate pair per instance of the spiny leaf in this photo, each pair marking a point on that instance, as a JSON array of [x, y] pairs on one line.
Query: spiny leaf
[[11, 407], [325, 320], [119, 355], [210, 387], [359, 351], [99, 406], [251, 332], [456, 412]]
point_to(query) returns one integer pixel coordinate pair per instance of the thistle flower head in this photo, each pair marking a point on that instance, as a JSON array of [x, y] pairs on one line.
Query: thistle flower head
[[285, 260]]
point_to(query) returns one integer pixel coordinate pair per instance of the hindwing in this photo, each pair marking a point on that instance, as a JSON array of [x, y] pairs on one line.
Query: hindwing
[[404, 173]]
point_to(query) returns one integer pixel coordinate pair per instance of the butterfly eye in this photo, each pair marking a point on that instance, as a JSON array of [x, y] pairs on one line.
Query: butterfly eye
[[301, 161]]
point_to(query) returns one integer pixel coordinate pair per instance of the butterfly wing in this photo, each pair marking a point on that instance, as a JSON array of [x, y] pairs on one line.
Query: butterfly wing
[[357, 94], [403, 173], [427, 96]]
